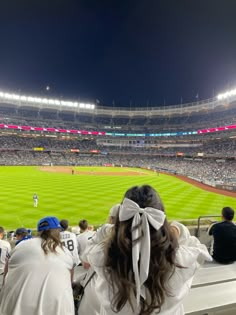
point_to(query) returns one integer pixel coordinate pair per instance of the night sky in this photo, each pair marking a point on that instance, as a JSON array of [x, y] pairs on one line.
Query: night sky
[[119, 52]]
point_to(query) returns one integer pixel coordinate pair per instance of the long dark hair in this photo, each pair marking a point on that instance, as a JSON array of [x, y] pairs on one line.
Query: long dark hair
[[118, 257]]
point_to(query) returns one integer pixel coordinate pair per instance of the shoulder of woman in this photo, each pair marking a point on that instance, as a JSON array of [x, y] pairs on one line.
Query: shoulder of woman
[[183, 232], [96, 256]]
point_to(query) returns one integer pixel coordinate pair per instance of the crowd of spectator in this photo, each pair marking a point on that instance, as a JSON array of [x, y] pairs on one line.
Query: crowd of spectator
[[212, 170], [203, 157], [48, 143], [166, 146], [148, 123]]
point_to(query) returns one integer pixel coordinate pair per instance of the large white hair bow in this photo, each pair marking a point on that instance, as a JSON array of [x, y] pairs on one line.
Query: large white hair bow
[[141, 249]]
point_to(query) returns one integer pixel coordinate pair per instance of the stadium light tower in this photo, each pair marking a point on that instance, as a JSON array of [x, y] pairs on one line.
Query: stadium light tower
[[227, 94]]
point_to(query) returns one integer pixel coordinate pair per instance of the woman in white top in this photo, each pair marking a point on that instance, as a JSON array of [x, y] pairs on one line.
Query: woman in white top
[[38, 281], [142, 268]]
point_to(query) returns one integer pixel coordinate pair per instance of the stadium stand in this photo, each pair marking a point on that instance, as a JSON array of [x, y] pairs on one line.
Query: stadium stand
[[215, 299], [206, 157], [214, 273]]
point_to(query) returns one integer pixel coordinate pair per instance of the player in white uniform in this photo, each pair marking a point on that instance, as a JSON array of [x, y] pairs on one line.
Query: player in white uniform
[[5, 249], [69, 240], [36, 200], [39, 275]]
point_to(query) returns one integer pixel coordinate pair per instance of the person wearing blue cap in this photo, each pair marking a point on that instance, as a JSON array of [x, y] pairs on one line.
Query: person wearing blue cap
[[22, 235], [39, 275]]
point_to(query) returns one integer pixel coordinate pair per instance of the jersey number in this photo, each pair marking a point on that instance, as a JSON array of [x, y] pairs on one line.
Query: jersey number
[[69, 244]]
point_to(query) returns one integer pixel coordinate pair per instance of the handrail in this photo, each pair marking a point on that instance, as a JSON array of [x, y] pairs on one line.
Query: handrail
[[201, 217]]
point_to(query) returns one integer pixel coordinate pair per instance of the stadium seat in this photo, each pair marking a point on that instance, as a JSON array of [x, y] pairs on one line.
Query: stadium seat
[[215, 274], [212, 299]]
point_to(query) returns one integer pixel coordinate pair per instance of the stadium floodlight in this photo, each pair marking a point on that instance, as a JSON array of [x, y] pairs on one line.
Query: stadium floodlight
[[227, 94], [7, 95], [68, 103], [45, 101], [15, 97], [64, 103], [38, 100], [30, 99]]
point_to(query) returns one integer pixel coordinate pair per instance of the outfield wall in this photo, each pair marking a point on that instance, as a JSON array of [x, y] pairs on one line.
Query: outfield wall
[[227, 187]]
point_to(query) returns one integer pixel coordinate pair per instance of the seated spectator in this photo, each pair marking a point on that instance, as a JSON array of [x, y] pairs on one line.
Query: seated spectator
[[22, 235], [84, 236], [224, 237], [90, 303], [11, 235], [69, 240], [5, 249], [39, 275], [141, 267], [76, 230]]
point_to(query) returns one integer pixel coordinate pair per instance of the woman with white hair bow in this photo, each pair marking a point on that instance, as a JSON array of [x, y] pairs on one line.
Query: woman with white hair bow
[[145, 266]]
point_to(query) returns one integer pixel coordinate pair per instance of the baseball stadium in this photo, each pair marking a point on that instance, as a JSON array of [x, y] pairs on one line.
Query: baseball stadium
[[74, 161], [117, 157], [80, 158]]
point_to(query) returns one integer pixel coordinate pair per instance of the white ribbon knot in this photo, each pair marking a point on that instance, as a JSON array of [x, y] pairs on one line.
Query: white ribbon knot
[[141, 249]]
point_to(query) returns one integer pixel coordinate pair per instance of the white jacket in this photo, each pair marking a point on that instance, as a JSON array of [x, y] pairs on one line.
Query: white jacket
[[190, 254]]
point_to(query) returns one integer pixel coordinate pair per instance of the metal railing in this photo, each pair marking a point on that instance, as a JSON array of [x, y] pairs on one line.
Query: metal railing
[[204, 217]]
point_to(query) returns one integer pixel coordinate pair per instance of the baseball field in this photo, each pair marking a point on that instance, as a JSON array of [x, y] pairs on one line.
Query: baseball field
[[90, 193]]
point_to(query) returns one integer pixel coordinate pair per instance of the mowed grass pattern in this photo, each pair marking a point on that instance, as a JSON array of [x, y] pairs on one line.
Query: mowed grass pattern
[[76, 197]]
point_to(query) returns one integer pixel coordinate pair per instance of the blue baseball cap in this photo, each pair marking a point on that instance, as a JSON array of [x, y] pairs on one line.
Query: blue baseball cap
[[48, 223], [21, 231]]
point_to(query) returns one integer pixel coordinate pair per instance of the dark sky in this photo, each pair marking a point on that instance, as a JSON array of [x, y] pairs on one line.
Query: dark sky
[[130, 52]]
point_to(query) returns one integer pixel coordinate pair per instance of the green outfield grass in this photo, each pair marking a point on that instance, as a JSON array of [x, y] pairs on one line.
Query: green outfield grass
[[76, 197]]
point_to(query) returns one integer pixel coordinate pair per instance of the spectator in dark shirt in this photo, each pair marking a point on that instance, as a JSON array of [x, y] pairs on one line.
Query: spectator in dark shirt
[[224, 238]]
